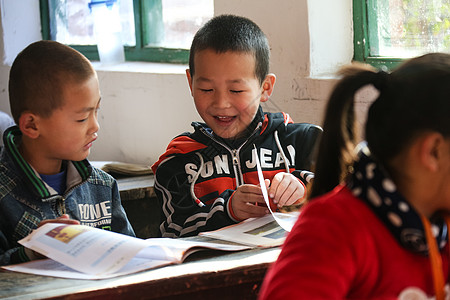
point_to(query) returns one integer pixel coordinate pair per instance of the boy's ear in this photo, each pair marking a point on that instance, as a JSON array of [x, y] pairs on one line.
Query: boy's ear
[[189, 78], [28, 125], [267, 87]]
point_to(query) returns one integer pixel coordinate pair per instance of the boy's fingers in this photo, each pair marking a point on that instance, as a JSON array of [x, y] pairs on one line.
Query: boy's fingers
[[285, 189], [250, 189], [254, 211], [293, 193], [248, 206], [277, 179], [60, 220], [287, 195]]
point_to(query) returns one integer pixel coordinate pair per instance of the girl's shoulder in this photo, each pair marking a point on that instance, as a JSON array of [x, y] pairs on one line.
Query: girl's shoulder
[[339, 207]]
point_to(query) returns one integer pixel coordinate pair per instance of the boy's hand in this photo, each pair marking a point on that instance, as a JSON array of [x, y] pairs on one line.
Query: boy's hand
[[33, 255], [63, 219], [248, 202], [285, 189]]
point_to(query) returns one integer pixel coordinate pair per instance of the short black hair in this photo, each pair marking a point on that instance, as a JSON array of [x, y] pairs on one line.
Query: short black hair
[[39, 74], [233, 33]]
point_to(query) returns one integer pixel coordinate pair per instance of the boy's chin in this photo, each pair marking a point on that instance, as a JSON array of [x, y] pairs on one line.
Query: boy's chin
[[232, 134], [79, 157], [229, 135]]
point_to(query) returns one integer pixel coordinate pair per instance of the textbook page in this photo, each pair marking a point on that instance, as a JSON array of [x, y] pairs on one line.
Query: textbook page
[[99, 253], [83, 248], [49, 267], [257, 232]]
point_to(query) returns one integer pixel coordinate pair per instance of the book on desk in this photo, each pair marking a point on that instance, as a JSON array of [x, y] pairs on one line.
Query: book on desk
[[122, 169], [83, 252]]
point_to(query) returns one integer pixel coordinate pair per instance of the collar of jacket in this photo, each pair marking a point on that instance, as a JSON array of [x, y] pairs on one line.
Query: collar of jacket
[[77, 171]]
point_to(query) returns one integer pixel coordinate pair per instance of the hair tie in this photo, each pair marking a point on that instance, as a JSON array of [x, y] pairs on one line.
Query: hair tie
[[381, 79]]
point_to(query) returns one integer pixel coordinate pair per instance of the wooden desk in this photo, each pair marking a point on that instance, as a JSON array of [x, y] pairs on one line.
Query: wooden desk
[[141, 205], [235, 275], [139, 187]]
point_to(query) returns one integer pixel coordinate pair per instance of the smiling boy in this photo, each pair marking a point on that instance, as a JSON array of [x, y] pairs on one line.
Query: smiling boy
[[45, 176], [207, 179]]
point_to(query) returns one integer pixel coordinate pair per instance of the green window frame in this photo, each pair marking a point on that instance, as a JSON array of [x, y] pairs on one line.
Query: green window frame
[[361, 41], [147, 21]]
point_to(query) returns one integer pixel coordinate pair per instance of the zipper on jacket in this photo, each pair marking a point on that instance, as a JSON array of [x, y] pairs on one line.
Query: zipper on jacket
[[235, 158], [234, 153], [62, 206], [62, 200]]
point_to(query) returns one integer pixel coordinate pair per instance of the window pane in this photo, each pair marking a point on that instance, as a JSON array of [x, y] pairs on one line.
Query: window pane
[[72, 22], [173, 23], [407, 28]]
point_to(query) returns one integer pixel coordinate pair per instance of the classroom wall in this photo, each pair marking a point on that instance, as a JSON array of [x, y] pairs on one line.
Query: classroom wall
[[144, 105]]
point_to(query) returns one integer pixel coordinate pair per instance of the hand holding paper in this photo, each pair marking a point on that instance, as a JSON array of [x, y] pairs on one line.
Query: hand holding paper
[[285, 189], [284, 221], [248, 202]]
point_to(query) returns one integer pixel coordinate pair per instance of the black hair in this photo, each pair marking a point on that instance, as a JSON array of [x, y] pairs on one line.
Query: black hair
[[413, 99], [233, 33], [39, 74]]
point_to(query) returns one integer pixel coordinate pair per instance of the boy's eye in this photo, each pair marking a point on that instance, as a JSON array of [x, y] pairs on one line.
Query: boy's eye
[[206, 90], [236, 91], [82, 120]]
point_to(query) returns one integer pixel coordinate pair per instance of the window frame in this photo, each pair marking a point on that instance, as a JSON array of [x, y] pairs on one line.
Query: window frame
[[361, 41], [140, 52]]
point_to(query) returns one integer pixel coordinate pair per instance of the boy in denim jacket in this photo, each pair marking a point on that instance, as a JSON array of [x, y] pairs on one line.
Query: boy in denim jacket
[[45, 176]]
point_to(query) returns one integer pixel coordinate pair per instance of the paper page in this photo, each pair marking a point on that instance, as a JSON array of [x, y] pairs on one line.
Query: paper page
[[178, 249], [284, 220], [49, 267], [141, 262], [82, 248], [83, 252], [256, 232]]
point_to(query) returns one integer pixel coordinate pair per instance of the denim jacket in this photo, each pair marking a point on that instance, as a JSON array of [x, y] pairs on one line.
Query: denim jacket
[[91, 196]]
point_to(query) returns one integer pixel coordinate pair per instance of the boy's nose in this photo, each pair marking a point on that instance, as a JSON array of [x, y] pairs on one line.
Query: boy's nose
[[221, 100], [95, 126]]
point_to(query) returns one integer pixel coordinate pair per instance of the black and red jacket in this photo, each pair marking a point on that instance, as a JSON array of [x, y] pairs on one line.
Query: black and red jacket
[[198, 173]]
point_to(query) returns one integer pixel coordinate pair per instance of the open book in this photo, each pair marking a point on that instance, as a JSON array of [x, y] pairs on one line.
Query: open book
[[257, 232], [83, 252]]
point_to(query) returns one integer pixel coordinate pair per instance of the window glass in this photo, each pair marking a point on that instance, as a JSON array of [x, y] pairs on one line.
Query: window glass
[[407, 28], [174, 22], [72, 22], [151, 30]]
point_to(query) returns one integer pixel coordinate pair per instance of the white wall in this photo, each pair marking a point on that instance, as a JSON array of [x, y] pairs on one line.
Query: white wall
[[145, 105]]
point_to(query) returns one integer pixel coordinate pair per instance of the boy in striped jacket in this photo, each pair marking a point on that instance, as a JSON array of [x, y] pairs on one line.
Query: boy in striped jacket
[[207, 179]]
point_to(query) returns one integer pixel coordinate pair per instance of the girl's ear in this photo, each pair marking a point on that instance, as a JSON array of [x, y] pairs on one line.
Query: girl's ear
[[28, 125], [267, 87], [432, 150]]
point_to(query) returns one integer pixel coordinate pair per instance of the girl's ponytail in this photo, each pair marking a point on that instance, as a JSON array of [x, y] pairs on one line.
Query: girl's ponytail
[[335, 152], [413, 99]]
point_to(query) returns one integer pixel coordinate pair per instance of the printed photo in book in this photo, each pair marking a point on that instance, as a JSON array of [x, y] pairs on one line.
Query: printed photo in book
[[257, 232]]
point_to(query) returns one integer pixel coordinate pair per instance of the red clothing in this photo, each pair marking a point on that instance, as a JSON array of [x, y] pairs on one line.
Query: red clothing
[[339, 249]]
